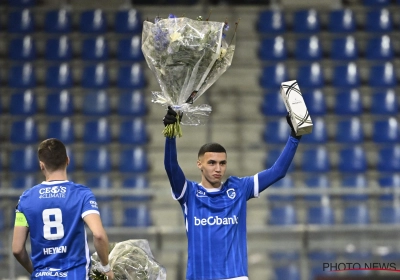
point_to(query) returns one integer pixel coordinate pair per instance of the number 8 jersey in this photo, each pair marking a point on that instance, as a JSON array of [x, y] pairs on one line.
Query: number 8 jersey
[[54, 212]]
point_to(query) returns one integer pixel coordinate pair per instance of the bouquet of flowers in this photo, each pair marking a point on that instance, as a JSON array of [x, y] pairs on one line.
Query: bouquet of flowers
[[187, 56], [130, 260]]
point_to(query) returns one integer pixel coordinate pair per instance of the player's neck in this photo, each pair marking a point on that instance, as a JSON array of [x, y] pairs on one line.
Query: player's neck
[[58, 175], [208, 185]]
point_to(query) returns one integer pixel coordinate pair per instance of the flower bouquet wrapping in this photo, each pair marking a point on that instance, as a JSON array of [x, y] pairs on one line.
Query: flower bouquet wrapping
[[187, 56], [130, 260]]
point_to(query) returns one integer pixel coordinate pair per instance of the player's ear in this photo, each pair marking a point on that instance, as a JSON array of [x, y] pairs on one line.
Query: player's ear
[[199, 166], [68, 160], [41, 164]]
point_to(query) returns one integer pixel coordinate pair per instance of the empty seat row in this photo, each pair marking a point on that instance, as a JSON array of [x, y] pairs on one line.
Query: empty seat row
[[90, 22], [60, 49]]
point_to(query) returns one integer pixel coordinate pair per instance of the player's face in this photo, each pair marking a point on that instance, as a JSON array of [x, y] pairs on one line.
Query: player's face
[[212, 167]]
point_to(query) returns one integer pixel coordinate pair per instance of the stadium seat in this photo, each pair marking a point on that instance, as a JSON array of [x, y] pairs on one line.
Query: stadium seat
[[59, 103], [388, 182], [286, 272], [2, 227], [58, 49], [317, 181], [72, 162], [276, 132], [22, 49], [273, 49], [24, 132], [379, 48], [310, 76], [319, 133], [93, 22], [58, 21], [341, 21], [308, 48], [96, 103], [282, 215], [133, 132], [97, 132], [389, 215], [344, 48], [106, 213], [284, 256], [316, 160], [386, 131], [346, 76], [375, 3], [131, 77], [286, 183], [128, 22], [349, 131], [103, 182], [95, 49], [21, 3], [132, 103], [130, 49], [24, 160], [389, 159], [356, 215], [272, 105], [59, 76], [384, 102], [271, 22], [137, 217], [133, 160], [382, 75], [22, 76], [97, 160], [24, 182], [352, 160], [378, 21], [139, 182], [348, 102], [320, 215], [23, 103], [273, 75], [358, 182], [315, 100], [63, 130], [95, 76], [306, 21], [21, 21]]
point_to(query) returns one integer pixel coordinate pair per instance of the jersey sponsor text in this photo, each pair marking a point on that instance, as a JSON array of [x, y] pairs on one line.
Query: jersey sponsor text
[[215, 220], [53, 192]]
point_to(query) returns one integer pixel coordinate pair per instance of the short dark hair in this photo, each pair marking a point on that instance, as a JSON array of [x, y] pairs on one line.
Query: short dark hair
[[211, 148], [53, 154]]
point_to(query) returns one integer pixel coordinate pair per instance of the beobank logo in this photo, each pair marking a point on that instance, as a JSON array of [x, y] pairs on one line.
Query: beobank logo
[[216, 221]]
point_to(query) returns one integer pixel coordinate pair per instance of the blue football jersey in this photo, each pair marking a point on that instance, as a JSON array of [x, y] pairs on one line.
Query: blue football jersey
[[216, 228], [54, 212]]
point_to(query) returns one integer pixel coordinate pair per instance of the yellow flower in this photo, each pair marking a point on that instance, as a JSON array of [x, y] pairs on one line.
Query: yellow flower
[[175, 36]]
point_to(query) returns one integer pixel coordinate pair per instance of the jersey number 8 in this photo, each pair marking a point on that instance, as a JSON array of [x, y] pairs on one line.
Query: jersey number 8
[[52, 219]]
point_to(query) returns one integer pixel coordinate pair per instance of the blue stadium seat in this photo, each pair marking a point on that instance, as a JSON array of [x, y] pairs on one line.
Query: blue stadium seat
[[276, 132], [346, 76], [95, 49], [320, 215], [25, 182], [2, 227], [21, 21], [349, 131], [22, 49], [310, 76], [21, 3], [306, 21], [133, 132], [131, 77], [96, 103], [389, 159], [316, 160], [24, 160], [389, 215], [58, 49], [358, 182], [137, 217], [271, 22], [106, 213], [93, 22], [133, 160], [59, 76], [139, 182], [102, 181], [382, 75], [356, 215], [24, 132], [352, 160], [128, 22], [23, 103], [341, 21], [284, 256], [388, 182], [273, 105], [273, 75], [319, 133], [348, 102], [344, 48], [63, 130], [286, 183], [130, 49], [379, 48], [384, 102], [386, 131], [315, 101], [284, 215], [95, 76], [319, 182], [22, 76], [59, 103], [375, 3], [132, 103], [286, 272], [273, 49], [97, 132], [97, 160], [58, 21], [308, 48], [72, 162], [378, 21]]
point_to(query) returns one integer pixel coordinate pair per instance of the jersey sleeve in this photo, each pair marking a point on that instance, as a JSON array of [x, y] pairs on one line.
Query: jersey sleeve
[[175, 174], [89, 204]]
